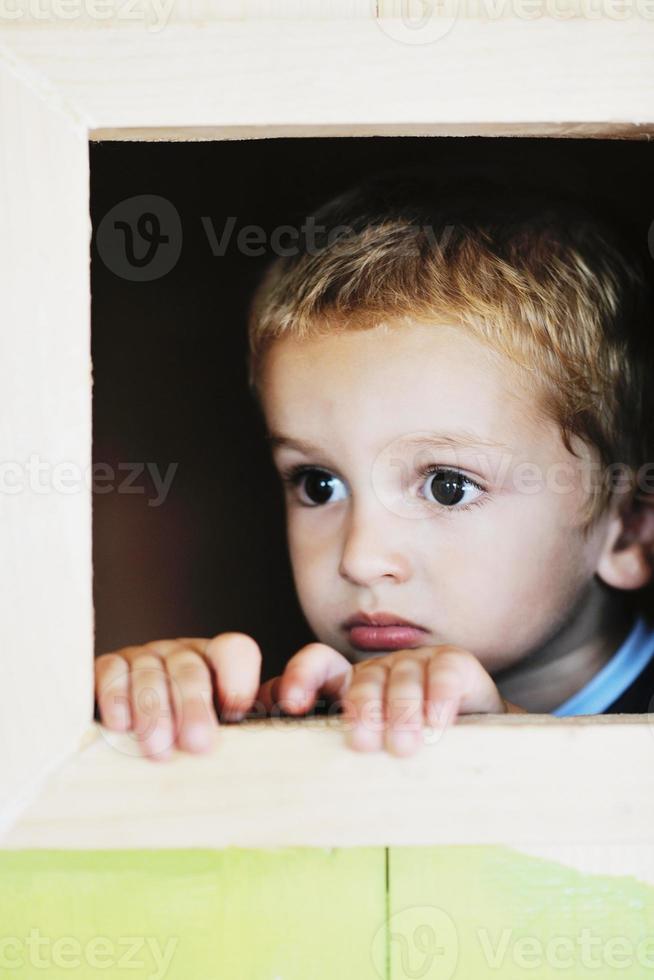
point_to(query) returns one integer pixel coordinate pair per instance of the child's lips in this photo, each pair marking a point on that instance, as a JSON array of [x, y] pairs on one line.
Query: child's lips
[[386, 637]]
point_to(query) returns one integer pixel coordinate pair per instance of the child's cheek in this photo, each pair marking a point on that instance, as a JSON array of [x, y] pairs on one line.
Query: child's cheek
[[309, 551], [520, 595]]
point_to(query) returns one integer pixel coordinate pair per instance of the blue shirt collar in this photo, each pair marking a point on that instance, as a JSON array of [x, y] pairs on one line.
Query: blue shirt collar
[[629, 660]]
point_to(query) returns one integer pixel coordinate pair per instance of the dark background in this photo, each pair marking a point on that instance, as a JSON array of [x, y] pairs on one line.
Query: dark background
[[169, 365]]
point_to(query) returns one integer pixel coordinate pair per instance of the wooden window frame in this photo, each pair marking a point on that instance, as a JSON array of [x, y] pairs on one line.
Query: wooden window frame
[[246, 71]]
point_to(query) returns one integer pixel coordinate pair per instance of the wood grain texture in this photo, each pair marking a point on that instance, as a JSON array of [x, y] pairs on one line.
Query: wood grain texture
[[251, 77], [506, 779], [352, 77], [46, 607]]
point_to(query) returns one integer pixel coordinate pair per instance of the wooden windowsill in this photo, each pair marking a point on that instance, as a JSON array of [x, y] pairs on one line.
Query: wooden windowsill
[[294, 782]]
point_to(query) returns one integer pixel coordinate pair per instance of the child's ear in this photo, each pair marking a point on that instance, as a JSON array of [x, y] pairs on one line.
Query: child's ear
[[627, 561]]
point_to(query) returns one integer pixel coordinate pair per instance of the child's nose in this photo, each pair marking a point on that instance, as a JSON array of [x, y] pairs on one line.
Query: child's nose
[[373, 546]]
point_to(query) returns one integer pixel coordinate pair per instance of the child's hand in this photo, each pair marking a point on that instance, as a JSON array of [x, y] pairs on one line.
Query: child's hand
[[165, 689], [387, 698]]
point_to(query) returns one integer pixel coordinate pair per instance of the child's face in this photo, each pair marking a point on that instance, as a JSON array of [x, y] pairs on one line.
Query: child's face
[[495, 570]]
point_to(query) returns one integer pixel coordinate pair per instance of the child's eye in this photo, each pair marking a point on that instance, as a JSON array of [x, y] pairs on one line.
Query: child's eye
[[318, 484], [448, 488]]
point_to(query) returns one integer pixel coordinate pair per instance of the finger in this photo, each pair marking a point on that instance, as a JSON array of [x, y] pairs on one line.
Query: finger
[[160, 648], [457, 683], [112, 691], [268, 694], [405, 688], [363, 706], [192, 698], [151, 707], [235, 659], [315, 669]]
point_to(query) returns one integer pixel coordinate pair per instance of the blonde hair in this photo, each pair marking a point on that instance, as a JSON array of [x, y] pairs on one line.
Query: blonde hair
[[535, 275]]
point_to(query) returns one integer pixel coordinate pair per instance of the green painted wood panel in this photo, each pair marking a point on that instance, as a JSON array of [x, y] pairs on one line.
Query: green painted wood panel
[[237, 914], [437, 913], [478, 912]]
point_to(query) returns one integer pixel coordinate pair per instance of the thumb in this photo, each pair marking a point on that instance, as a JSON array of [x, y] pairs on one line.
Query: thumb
[[316, 669]]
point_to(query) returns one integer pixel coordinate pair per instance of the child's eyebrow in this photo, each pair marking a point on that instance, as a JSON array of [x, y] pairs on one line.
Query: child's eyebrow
[[275, 440], [460, 438], [457, 439]]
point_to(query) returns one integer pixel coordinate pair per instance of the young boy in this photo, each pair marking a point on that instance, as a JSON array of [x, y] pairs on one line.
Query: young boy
[[456, 385]]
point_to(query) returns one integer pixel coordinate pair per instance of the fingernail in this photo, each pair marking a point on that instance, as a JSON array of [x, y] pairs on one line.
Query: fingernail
[[159, 743], [359, 737], [402, 742], [197, 738]]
